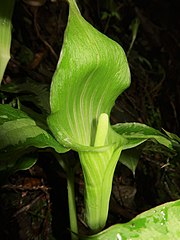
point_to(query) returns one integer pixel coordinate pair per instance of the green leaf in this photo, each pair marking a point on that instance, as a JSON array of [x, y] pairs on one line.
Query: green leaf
[[32, 92], [134, 28], [159, 223], [25, 162], [18, 131], [172, 136], [10, 156], [130, 158], [6, 9], [137, 133], [15, 160]]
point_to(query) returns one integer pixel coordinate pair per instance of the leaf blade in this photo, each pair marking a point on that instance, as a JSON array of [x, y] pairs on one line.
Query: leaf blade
[[161, 222], [137, 133], [20, 131]]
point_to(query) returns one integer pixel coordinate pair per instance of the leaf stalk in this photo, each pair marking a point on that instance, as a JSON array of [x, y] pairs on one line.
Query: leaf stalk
[[72, 205]]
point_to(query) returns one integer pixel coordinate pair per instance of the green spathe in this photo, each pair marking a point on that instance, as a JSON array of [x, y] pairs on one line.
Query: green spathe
[[91, 73]]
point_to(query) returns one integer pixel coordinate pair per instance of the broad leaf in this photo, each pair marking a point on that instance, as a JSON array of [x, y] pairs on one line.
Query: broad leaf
[[137, 133], [14, 160], [130, 158], [159, 223], [172, 136], [25, 162], [18, 132]]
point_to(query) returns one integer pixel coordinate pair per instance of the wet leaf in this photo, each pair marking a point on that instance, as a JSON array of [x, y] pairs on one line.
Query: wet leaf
[[159, 223]]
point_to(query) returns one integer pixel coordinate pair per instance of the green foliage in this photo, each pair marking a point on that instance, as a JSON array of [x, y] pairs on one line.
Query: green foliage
[[25, 162], [130, 158], [18, 134], [137, 133], [173, 136], [134, 28], [158, 223], [32, 92], [6, 9]]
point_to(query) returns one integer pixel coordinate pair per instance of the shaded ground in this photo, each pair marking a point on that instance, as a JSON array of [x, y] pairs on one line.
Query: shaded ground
[[34, 202]]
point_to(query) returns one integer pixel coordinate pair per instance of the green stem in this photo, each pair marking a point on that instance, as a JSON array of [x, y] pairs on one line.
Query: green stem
[[65, 164], [6, 10], [72, 205]]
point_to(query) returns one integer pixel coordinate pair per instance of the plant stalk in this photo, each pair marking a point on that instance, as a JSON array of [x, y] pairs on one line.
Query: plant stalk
[[72, 205], [6, 10]]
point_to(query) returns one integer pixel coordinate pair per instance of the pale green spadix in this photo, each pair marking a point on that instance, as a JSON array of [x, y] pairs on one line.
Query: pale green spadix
[[92, 71], [102, 130]]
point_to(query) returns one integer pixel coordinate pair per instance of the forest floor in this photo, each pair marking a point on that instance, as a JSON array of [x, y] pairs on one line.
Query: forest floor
[[34, 202]]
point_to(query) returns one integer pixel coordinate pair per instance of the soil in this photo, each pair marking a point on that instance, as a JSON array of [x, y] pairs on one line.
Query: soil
[[34, 202]]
